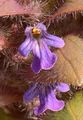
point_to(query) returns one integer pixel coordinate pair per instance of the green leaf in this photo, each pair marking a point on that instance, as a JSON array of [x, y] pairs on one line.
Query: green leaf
[[4, 116], [72, 111]]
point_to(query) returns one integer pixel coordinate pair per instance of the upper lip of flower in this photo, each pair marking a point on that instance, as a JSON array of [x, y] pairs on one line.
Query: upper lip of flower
[[43, 57]]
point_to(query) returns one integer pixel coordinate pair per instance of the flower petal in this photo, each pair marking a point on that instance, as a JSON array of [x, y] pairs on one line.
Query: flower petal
[[53, 103], [42, 97], [41, 26], [36, 67], [25, 47], [36, 49], [39, 110], [48, 101], [28, 31], [54, 41], [48, 59], [62, 87], [30, 94]]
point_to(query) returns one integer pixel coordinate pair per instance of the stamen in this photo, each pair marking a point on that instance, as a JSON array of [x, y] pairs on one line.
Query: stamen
[[36, 31]]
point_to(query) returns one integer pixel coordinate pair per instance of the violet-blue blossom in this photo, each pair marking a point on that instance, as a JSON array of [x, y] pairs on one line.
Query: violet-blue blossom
[[37, 40], [47, 96]]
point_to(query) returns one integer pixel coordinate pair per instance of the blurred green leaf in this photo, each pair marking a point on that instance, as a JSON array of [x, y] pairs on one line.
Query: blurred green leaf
[[4, 116], [72, 111]]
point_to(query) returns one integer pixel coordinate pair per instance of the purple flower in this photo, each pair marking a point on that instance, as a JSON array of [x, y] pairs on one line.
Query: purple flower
[[47, 96], [37, 40]]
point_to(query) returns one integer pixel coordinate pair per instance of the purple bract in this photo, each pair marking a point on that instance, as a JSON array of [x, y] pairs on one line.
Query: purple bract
[[47, 96], [37, 40]]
